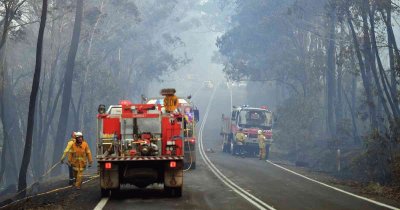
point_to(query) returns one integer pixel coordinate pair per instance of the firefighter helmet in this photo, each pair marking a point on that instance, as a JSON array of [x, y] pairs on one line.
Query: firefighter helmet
[[78, 134]]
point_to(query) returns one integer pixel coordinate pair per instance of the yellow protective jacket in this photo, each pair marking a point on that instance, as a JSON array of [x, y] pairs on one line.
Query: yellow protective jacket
[[240, 137], [170, 103], [78, 156], [67, 149], [261, 141]]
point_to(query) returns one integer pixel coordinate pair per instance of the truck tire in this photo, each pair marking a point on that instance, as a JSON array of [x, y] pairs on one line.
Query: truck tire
[[224, 148], [232, 149], [178, 192], [174, 191], [105, 192], [114, 192], [229, 147]]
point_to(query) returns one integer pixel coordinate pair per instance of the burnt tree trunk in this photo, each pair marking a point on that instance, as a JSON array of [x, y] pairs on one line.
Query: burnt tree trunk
[[32, 103], [370, 51], [8, 113], [331, 71], [368, 64], [394, 58], [393, 81], [67, 90], [365, 79]]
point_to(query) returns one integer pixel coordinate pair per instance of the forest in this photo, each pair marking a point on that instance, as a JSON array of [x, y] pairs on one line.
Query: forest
[[335, 67], [60, 59]]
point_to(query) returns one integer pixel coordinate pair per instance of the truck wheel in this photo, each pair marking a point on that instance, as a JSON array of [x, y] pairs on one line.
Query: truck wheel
[[174, 191], [233, 149], [105, 193], [225, 148], [178, 192], [114, 192], [228, 143]]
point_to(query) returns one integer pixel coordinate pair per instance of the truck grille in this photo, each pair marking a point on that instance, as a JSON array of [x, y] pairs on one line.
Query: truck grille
[[252, 135]]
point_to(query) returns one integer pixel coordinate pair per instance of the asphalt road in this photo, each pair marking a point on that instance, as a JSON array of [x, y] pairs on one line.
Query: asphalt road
[[272, 185]]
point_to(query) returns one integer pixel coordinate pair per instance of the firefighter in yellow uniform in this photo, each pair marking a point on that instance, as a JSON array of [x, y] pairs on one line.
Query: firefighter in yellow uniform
[[71, 141], [78, 157], [170, 103], [240, 137], [261, 144]]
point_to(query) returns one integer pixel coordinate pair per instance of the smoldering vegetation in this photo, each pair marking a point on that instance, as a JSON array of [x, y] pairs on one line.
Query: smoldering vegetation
[[329, 69]]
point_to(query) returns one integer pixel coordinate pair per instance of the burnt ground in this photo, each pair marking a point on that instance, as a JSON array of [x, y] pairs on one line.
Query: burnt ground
[[65, 198], [52, 193]]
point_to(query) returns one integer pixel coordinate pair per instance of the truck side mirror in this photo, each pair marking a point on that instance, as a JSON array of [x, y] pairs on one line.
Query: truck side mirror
[[196, 115], [102, 109]]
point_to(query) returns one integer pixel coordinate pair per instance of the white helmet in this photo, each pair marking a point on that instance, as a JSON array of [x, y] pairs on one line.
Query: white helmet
[[78, 134], [259, 131]]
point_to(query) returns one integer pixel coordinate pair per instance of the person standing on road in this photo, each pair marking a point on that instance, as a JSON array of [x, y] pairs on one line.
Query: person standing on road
[[78, 157], [240, 137], [261, 144], [268, 143], [71, 141]]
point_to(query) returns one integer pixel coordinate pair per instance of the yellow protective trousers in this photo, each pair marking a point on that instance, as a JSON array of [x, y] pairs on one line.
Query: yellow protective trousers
[[262, 153], [78, 175]]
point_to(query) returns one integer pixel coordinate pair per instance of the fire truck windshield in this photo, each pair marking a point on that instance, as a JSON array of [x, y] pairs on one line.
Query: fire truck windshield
[[152, 125], [255, 118]]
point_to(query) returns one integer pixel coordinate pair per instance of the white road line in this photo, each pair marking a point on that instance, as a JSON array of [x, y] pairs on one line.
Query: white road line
[[101, 204], [240, 191], [335, 188]]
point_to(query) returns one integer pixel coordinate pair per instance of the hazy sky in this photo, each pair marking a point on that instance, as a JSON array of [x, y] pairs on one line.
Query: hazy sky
[[200, 47]]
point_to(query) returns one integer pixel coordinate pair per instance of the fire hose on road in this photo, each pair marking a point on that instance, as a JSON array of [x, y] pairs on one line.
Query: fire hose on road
[[90, 178]]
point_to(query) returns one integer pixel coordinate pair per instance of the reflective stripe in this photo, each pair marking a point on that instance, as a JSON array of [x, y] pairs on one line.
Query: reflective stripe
[[78, 169]]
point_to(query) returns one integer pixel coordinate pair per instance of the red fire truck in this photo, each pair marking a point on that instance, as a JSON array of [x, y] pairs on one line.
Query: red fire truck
[[249, 120], [138, 144]]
